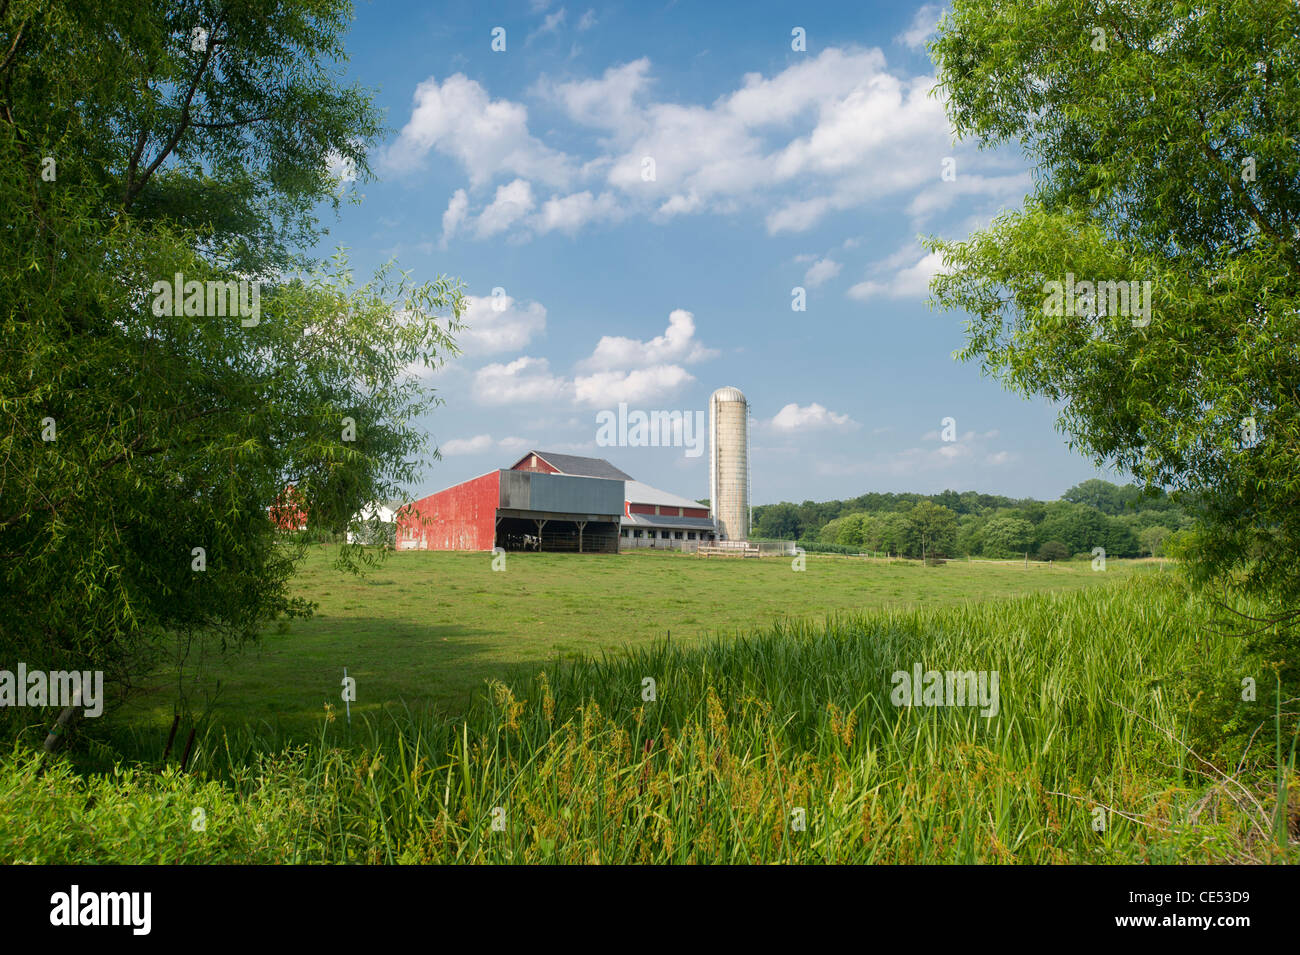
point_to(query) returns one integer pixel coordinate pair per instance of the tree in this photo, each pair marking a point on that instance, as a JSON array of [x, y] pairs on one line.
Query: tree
[[1007, 537], [1053, 550], [144, 445], [1164, 154], [935, 528], [1102, 495], [1153, 540], [892, 532], [778, 521]]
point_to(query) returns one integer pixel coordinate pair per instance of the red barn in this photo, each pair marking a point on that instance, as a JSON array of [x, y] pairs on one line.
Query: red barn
[[526, 509]]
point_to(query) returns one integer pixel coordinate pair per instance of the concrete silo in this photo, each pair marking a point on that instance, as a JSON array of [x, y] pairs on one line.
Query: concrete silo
[[729, 463]]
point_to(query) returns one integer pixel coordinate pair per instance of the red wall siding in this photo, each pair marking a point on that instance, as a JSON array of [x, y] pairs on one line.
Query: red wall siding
[[462, 517], [695, 512], [640, 508], [525, 464]]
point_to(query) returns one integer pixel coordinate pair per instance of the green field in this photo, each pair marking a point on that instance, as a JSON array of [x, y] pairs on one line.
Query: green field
[[430, 627], [781, 745]]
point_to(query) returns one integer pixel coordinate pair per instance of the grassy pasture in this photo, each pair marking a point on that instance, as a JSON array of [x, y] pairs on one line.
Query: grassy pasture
[[744, 731], [428, 628]]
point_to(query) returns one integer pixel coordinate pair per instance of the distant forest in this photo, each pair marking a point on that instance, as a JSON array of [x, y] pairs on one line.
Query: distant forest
[[1126, 521]]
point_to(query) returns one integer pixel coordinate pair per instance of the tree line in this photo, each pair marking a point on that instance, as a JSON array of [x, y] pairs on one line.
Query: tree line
[[1125, 521]]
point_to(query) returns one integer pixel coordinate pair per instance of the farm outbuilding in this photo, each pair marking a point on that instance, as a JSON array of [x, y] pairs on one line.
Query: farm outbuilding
[[651, 517], [517, 510], [553, 502]]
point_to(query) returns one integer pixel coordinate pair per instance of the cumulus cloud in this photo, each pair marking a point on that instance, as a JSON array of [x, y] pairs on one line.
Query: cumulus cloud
[[481, 443], [487, 137], [826, 134], [490, 331], [639, 385], [454, 215], [923, 26], [1000, 191], [513, 201], [813, 417], [475, 445], [823, 270], [607, 103], [677, 343], [570, 213], [912, 281], [525, 380], [619, 369]]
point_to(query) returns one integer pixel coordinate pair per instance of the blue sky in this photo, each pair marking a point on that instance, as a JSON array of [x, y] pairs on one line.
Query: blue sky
[[525, 171]]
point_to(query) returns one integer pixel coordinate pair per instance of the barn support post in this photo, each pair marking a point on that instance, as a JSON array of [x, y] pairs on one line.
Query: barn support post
[[581, 525]]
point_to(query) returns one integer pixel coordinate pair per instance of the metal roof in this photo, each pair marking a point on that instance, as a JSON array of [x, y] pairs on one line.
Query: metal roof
[[580, 466], [638, 493], [665, 520]]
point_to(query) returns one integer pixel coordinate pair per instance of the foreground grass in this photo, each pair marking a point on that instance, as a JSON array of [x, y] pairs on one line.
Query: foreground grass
[[430, 627], [575, 766]]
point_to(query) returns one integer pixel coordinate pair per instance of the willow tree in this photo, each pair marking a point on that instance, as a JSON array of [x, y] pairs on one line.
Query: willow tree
[[1164, 142], [143, 145]]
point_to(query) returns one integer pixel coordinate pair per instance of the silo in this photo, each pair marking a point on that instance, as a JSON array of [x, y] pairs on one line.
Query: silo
[[729, 463]]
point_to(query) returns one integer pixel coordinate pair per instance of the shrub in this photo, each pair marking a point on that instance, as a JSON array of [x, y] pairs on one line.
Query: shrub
[[1053, 550]]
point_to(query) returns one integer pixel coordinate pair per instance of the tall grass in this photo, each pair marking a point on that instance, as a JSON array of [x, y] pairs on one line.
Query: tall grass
[[747, 736]]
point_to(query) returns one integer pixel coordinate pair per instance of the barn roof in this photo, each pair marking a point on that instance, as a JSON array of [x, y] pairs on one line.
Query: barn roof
[[638, 493], [580, 466], [667, 520]]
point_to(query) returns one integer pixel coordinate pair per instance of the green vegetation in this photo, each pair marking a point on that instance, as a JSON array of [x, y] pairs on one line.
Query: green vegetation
[[142, 448], [1165, 161], [1092, 514], [1084, 762], [429, 627]]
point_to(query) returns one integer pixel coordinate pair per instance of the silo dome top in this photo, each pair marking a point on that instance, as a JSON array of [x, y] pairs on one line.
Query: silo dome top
[[728, 394]]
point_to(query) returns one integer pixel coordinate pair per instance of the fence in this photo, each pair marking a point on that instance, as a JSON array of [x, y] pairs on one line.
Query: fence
[[747, 549], [648, 543]]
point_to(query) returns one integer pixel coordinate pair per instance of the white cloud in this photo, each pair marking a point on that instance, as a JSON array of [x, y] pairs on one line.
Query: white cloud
[[1003, 191], [587, 21], [607, 103], [341, 167], [475, 445], [482, 443], [827, 134], [513, 201], [487, 137], [924, 23], [524, 380], [452, 218], [490, 331], [516, 444], [676, 344], [823, 270], [911, 281], [605, 388], [570, 213], [813, 417]]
